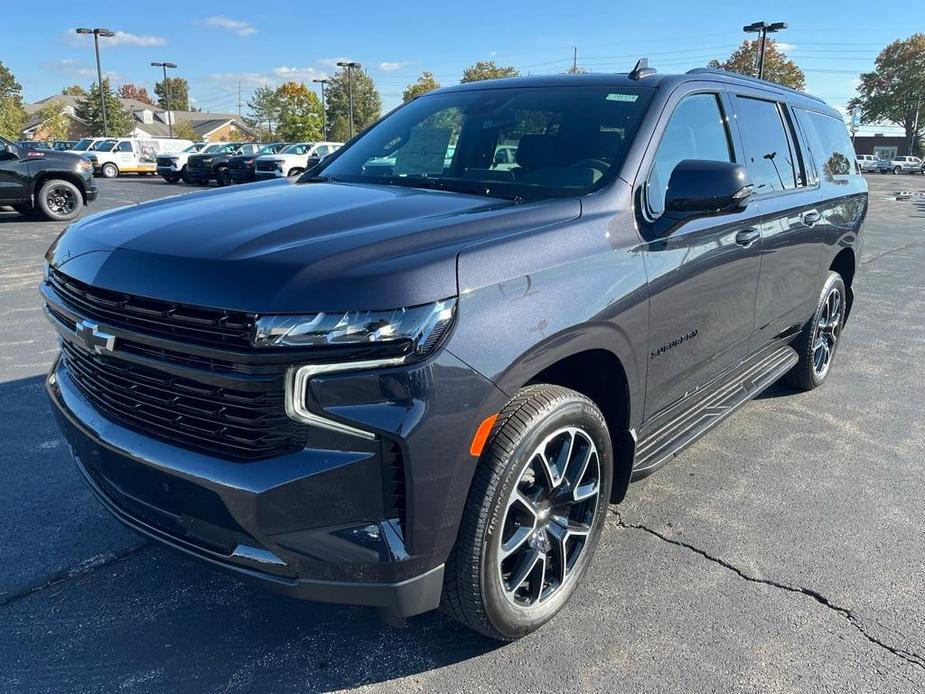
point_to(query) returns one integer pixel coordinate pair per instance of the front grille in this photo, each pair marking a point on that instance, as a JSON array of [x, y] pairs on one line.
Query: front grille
[[165, 161], [202, 326], [218, 420], [267, 166]]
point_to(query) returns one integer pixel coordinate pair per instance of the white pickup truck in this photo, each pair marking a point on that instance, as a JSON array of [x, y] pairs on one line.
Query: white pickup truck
[[293, 159], [172, 167]]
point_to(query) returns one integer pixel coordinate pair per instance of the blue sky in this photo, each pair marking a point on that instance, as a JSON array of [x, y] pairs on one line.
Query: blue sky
[[217, 45]]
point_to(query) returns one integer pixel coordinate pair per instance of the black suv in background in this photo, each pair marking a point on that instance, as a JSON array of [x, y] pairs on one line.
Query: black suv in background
[[241, 166], [55, 185], [204, 167], [417, 375]]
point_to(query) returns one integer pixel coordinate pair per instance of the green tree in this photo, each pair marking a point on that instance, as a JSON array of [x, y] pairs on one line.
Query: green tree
[[264, 111], [131, 91], [12, 114], [367, 104], [895, 90], [777, 66], [184, 131], [74, 90], [179, 93], [88, 110], [487, 70], [56, 125], [299, 112], [425, 83]]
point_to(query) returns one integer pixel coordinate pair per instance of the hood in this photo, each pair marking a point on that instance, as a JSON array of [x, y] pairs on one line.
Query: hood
[[283, 247], [64, 160]]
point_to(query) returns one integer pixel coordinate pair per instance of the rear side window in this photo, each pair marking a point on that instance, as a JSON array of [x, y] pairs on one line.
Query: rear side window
[[768, 149], [696, 130], [830, 145]]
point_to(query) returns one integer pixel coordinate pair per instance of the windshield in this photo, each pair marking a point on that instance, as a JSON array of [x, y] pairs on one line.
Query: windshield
[[83, 144], [193, 148], [298, 148], [519, 142], [103, 146], [268, 149], [212, 148]]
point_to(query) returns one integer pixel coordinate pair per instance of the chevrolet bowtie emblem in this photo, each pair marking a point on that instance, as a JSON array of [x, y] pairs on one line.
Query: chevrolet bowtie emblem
[[93, 338]]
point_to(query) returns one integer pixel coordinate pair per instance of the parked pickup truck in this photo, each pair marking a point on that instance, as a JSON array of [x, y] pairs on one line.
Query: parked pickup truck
[[172, 167], [241, 166], [206, 166], [900, 165], [868, 162], [294, 159]]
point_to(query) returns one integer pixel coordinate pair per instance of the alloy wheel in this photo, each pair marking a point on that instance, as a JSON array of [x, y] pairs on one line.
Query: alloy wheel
[[549, 517], [61, 200], [828, 329]]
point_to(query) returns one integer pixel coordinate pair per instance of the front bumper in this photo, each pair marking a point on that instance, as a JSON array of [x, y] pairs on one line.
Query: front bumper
[[241, 175], [91, 191], [268, 175], [168, 171]]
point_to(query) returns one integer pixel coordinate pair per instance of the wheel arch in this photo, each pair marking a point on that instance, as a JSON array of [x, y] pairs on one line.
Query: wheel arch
[[845, 264], [46, 176]]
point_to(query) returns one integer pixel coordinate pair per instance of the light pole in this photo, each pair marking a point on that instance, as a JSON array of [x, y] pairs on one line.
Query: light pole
[[763, 28], [99, 71], [324, 111], [167, 94], [350, 66]]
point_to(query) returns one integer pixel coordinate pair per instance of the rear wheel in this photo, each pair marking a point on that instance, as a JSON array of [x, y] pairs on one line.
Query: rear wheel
[[897, 169], [110, 170], [535, 511], [818, 342], [59, 200]]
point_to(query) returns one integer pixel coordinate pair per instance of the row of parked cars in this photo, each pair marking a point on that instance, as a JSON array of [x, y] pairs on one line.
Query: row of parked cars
[[241, 162], [871, 163]]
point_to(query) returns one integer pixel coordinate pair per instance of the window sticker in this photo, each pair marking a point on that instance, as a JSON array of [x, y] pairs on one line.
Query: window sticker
[[629, 98]]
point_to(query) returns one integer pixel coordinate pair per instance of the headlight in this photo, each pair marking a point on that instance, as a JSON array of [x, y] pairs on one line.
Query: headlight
[[84, 165], [421, 327]]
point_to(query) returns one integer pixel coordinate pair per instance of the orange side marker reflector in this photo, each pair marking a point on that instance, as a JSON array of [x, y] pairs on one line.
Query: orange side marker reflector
[[481, 435]]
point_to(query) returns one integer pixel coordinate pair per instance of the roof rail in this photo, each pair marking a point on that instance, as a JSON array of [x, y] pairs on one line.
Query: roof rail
[[642, 70], [747, 78]]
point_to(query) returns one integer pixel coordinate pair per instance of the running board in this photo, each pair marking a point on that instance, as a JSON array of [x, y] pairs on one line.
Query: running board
[[673, 430]]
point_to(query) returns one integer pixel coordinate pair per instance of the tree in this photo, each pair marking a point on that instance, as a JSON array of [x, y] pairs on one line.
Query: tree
[[299, 112], [184, 131], [179, 93], [12, 114], [895, 90], [367, 103], [56, 125], [264, 111], [74, 90], [130, 91], [777, 66], [487, 70], [88, 110], [426, 83]]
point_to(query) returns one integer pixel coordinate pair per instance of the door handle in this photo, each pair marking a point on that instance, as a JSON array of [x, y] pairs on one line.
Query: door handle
[[810, 217], [747, 237]]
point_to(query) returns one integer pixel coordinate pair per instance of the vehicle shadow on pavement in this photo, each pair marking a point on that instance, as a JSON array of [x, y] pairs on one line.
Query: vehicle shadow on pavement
[[138, 612]]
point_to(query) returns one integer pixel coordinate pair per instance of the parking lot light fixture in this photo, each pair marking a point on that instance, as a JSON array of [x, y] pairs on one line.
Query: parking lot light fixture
[[164, 66], [106, 33], [350, 66], [763, 28], [324, 110]]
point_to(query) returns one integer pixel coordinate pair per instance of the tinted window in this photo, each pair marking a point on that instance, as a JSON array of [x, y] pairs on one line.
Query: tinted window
[[125, 147], [769, 155], [696, 130], [829, 143]]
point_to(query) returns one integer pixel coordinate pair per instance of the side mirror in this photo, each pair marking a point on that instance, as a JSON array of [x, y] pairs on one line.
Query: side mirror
[[698, 188], [10, 151]]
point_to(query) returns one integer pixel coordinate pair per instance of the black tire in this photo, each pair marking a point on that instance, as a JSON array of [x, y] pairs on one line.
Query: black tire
[[222, 177], [109, 170], [59, 200], [475, 591], [897, 170], [295, 171], [172, 179], [807, 373]]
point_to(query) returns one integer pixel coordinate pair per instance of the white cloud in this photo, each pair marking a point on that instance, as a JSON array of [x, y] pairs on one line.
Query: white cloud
[[78, 70], [122, 38], [236, 26], [786, 47], [298, 73], [242, 77], [389, 67], [332, 62]]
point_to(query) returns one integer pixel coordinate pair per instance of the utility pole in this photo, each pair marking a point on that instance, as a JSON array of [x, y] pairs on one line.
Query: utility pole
[[239, 98], [763, 28], [915, 125], [99, 70], [324, 111], [574, 60], [164, 66], [350, 67]]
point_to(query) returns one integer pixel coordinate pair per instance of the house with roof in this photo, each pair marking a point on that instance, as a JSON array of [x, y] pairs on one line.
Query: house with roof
[[149, 121]]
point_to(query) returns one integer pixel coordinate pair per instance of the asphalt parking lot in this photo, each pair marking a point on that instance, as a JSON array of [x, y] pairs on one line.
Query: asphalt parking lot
[[784, 552]]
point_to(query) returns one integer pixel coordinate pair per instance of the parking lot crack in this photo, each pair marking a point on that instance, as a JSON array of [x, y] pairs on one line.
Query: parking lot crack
[[909, 656], [85, 567]]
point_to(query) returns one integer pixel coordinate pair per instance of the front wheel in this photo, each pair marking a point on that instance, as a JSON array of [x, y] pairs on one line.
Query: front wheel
[[172, 179], [818, 342], [222, 177], [535, 511], [897, 169], [110, 170], [59, 200]]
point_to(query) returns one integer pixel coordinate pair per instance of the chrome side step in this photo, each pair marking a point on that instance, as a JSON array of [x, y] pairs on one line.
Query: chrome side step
[[672, 431]]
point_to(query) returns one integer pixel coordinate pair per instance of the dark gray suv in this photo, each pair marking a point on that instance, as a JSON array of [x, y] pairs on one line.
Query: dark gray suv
[[416, 376]]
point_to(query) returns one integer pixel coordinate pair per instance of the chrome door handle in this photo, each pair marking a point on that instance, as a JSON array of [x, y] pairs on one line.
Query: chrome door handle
[[810, 217], [747, 237]]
